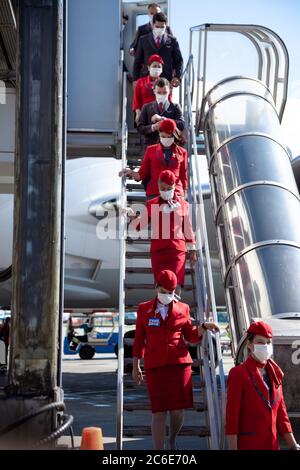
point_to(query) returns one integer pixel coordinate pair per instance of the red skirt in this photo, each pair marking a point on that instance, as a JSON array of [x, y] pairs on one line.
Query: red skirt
[[169, 259], [170, 387]]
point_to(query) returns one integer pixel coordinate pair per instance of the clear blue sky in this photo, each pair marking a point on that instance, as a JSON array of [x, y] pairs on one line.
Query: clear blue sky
[[283, 16]]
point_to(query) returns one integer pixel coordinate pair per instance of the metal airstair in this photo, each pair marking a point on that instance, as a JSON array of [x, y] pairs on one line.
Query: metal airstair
[[236, 125], [136, 285]]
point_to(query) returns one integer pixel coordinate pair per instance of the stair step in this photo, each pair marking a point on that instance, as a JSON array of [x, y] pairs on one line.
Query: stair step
[[134, 307], [151, 286], [134, 163], [135, 187], [145, 406], [201, 431], [138, 270], [133, 146], [198, 382], [137, 255], [129, 360], [135, 153], [142, 241], [134, 139], [136, 197]]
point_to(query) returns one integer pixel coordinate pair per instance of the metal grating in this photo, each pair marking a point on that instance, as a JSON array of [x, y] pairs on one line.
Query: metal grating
[[8, 39]]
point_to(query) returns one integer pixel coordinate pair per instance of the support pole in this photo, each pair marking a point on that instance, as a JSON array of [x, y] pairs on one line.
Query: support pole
[[37, 220]]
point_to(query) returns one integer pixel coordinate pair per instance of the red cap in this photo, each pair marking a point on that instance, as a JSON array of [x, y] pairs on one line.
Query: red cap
[[167, 279], [260, 328], [168, 126], [167, 177], [155, 58]]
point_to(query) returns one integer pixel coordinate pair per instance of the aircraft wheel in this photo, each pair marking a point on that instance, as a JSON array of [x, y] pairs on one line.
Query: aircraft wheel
[[87, 352]]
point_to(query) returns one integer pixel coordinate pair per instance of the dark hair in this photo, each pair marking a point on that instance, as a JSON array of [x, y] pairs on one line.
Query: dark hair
[[250, 337], [162, 82], [153, 5], [160, 17], [125, 16]]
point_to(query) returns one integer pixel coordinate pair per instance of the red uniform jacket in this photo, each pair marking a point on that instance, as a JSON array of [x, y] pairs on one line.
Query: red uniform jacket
[[143, 92], [250, 413], [154, 163], [164, 344], [169, 229]]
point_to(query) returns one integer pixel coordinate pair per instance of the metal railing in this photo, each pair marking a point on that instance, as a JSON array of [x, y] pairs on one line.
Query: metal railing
[[122, 235], [272, 66], [206, 304], [6, 274]]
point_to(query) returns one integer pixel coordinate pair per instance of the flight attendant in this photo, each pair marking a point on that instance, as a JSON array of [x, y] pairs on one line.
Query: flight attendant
[[144, 89], [163, 325], [163, 156], [172, 234], [256, 411]]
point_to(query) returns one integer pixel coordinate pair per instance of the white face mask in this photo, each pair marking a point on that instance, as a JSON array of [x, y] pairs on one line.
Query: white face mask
[[161, 98], [155, 71], [167, 141], [159, 32], [167, 195], [263, 352], [165, 299], [150, 18]]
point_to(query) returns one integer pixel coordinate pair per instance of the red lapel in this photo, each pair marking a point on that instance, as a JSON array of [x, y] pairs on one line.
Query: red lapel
[[148, 84], [160, 154], [173, 312], [256, 378]]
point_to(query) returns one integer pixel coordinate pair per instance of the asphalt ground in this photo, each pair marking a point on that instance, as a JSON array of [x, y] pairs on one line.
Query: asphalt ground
[[90, 388]]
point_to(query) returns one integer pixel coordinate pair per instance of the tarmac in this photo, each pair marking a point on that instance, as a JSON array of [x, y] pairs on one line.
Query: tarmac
[[90, 388]]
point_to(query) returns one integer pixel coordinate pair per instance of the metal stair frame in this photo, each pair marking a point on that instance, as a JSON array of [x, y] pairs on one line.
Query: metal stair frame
[[206, 304]]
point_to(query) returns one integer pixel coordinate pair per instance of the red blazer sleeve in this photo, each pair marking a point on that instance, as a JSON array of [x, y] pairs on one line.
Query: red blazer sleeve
[[142, 222], [137, 96], [283, 423], [187, 228], [144, 170], [138, 349], [190, 332], [183, 170], [234, 400]]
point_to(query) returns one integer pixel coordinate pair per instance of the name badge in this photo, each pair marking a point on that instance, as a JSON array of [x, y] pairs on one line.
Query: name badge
[[154, 322]]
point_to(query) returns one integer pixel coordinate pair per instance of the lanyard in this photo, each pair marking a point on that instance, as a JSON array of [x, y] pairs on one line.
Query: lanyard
[[269, 403]]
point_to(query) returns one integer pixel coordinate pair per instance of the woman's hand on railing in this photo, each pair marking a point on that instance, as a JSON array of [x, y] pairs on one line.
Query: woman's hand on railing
[[208, 326], [175, 82], [193, 257], [127, 172], [129, 212]]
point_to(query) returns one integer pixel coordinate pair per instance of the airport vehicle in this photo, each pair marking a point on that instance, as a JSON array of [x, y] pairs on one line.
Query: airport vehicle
[[96, 332]]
